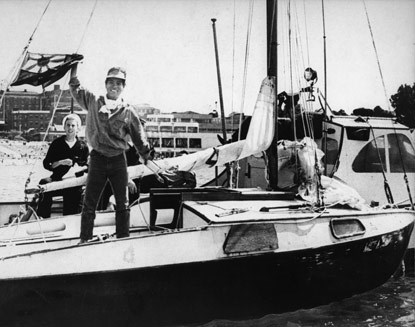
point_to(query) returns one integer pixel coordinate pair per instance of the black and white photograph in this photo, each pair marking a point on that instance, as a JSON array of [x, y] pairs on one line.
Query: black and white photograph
[[207, 163]]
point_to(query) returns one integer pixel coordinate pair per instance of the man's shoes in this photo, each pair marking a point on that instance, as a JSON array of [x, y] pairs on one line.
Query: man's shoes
[[82, 241]]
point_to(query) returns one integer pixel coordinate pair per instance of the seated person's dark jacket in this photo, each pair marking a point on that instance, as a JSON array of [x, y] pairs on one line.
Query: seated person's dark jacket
[[60, 150]]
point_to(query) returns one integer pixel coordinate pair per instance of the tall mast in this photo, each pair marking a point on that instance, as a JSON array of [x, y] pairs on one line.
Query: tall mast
[[272, 48], [222, 110], [325, 86], [325, 59]]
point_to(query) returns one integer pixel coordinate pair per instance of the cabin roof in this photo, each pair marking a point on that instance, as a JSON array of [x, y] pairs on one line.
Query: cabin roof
[[375, 122]]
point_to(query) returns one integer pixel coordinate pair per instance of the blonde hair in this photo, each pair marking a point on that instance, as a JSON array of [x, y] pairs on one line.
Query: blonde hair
[[74, 117]]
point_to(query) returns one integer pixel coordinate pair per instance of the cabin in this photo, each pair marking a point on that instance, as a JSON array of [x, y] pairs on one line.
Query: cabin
[[362, 152]]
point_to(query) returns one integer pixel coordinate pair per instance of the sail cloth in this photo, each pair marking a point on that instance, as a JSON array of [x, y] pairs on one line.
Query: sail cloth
[[44, 69], [262, 126]]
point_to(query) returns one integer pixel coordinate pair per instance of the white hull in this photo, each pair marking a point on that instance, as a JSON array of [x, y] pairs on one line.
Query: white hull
[[49, 247]]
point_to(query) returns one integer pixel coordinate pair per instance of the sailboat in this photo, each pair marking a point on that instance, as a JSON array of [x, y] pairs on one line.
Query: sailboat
[[213, 252]]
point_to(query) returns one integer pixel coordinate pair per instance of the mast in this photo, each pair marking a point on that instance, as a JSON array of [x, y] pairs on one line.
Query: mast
[[222, 109], [325, 59], [325, 86], [272, 48]]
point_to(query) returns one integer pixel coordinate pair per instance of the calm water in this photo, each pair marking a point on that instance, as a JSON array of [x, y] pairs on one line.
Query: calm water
[[392, 304]]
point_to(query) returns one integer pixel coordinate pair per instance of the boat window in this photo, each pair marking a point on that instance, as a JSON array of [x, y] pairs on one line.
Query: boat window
[[165, 128], [368, 161], [192, 129], [401, 153], [346, 227], [332, 153], [358, 133], [181, 143], [195, 143], [167, 142], [154, 141], [179, 129]]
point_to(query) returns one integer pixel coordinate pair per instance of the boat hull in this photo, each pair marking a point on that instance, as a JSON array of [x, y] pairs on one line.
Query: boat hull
[[233, 287]]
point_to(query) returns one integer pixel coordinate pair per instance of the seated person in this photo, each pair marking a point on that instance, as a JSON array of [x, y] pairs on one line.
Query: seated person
[[62, 154]]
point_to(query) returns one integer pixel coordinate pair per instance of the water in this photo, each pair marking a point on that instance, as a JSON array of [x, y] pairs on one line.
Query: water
[[391, 304]]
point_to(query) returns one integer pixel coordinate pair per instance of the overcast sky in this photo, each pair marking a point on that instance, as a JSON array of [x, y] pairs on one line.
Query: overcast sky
[[167, 47]]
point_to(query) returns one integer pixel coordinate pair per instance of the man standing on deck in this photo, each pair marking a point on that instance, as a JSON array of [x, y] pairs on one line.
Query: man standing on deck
[[109, 122]]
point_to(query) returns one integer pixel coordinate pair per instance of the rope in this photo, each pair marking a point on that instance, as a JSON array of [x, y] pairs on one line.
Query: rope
[[377, 56], [405, 176], [386, 186], [247, 47], [60, 94], [87, 24], [21, 58], [306, 34], [388, 104], [233, 56]]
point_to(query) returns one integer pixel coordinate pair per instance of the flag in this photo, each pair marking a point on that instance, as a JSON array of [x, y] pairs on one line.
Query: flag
[[44, 69]]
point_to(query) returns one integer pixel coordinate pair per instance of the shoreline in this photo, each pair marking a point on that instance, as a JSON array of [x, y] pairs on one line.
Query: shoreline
[[17, 153]]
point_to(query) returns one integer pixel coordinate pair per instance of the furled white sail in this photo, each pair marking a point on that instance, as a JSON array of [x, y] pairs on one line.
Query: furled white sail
[[262, 127]]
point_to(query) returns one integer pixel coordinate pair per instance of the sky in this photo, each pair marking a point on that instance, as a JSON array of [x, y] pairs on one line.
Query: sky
[[167, 48]]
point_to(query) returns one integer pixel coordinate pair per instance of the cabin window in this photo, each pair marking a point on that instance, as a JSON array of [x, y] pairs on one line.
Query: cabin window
[[167, 142], [195, 143], [358, 133], [346, 227], [179, 129], [192, 129], [401, 153], [154, 141], [165, 129], [332, 153], [181, 143], [371, 159]]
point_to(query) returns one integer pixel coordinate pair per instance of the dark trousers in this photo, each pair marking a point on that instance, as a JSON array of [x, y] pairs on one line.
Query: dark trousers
[[71, 201], [101, 169]]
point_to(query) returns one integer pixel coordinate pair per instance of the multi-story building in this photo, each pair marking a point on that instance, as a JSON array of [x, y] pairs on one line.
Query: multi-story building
[[172, 134]]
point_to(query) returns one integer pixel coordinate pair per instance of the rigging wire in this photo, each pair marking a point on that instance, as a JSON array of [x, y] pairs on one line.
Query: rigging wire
[[386, 186], [389, 108], [377, 56], [233, 58], [306, 33], [56, 104], [247, 48], [87, 25], [325, 56], [23, 54], [235, 165], [405, 176]]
